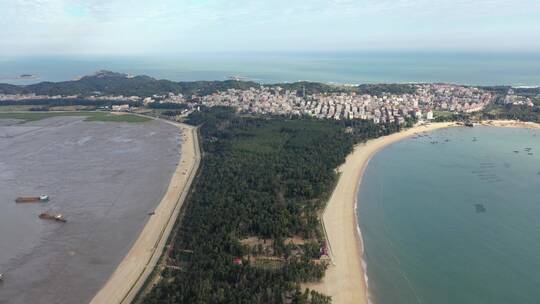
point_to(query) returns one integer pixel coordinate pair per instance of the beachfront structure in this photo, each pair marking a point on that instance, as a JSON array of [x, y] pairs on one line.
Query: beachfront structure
[[429, 115], [120, 108]]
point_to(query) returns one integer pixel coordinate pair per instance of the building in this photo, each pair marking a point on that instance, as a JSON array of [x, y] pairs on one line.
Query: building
[[120, 108], [429, 115]]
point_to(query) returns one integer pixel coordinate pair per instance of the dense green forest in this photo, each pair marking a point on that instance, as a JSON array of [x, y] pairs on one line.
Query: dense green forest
[[262, 184], [109, 83], [168, 105], [63, 102], [496, 111], [515, 112], [370, 89]]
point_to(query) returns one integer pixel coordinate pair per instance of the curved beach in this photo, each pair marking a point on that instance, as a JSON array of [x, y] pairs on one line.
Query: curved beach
[[345, 279], [138, 264]]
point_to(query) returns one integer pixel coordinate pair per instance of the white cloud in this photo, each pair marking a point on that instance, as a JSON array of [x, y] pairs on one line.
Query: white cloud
[[128, 26]]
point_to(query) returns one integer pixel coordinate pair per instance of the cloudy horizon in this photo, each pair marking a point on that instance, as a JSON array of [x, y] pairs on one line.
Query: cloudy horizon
[[78, 27]]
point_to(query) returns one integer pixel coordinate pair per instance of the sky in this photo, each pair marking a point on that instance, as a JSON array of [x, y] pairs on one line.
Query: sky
[[134, 27]]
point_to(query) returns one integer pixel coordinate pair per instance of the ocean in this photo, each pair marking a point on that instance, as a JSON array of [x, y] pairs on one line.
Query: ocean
[[453, 217], [517, 69]]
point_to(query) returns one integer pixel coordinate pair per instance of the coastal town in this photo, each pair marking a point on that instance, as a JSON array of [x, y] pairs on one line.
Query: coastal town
[[387, 108], [425, 101]]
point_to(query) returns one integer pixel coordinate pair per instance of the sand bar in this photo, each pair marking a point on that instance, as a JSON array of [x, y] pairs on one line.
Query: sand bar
[[344, 280], [132, 272]]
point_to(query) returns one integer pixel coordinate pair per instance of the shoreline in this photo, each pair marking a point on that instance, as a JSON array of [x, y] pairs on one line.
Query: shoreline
[[345, 279], [132, 272], [510, 124]]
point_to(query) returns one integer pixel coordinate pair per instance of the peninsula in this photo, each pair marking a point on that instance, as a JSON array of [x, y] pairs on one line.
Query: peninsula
[[279, 161]]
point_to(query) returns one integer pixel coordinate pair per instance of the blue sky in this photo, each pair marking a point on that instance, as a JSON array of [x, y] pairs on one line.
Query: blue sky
[[48, 27]]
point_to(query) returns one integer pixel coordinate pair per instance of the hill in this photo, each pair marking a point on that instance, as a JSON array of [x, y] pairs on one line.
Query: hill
[[111, 83]]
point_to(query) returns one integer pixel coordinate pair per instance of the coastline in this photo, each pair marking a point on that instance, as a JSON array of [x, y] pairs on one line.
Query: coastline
[[345, 279], [510, 124], [132, 272]]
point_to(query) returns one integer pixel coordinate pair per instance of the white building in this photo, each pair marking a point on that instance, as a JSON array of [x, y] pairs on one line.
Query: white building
[[120, 108], [429, 115]]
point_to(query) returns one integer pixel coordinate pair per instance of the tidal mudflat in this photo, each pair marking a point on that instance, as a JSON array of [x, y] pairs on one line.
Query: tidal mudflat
[[104, 177]]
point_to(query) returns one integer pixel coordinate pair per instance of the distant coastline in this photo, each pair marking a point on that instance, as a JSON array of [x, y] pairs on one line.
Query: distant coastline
[[475, 68]]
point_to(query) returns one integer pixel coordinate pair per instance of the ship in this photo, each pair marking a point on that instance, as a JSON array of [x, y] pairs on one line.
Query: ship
[[32, 199], [53, 217]]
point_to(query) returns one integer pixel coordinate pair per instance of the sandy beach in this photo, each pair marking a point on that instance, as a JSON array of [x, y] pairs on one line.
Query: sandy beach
[[345, 279], [132, 272], [510, 124]]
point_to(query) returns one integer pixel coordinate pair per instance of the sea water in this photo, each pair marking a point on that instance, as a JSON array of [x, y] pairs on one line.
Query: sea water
[[480, 68], [453, 216]]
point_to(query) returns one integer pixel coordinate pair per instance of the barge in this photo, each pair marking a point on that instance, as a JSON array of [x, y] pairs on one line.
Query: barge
[[32, 199], [53, 217]]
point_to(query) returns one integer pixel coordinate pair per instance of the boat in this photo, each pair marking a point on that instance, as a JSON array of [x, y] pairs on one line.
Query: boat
[[53, 217], [32, 199], [1, 277], [480, 208]]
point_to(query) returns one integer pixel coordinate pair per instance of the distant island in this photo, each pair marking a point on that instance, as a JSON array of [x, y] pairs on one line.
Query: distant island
[[21, 77], [28, 76]]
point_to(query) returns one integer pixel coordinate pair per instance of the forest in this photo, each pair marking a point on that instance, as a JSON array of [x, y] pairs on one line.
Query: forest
[[250, 232], [513, 112], [111, 83]]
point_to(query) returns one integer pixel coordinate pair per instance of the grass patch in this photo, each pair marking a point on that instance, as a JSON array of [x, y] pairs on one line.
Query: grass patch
[[445, 114], [102, 116], [90, 116], [12, 108]]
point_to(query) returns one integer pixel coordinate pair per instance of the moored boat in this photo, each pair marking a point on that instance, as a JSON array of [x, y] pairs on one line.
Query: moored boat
[[32, 199], [54, 217]]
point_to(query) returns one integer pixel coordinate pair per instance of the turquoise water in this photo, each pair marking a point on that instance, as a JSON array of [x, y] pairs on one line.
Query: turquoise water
[[425, 239], [518, 69]]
